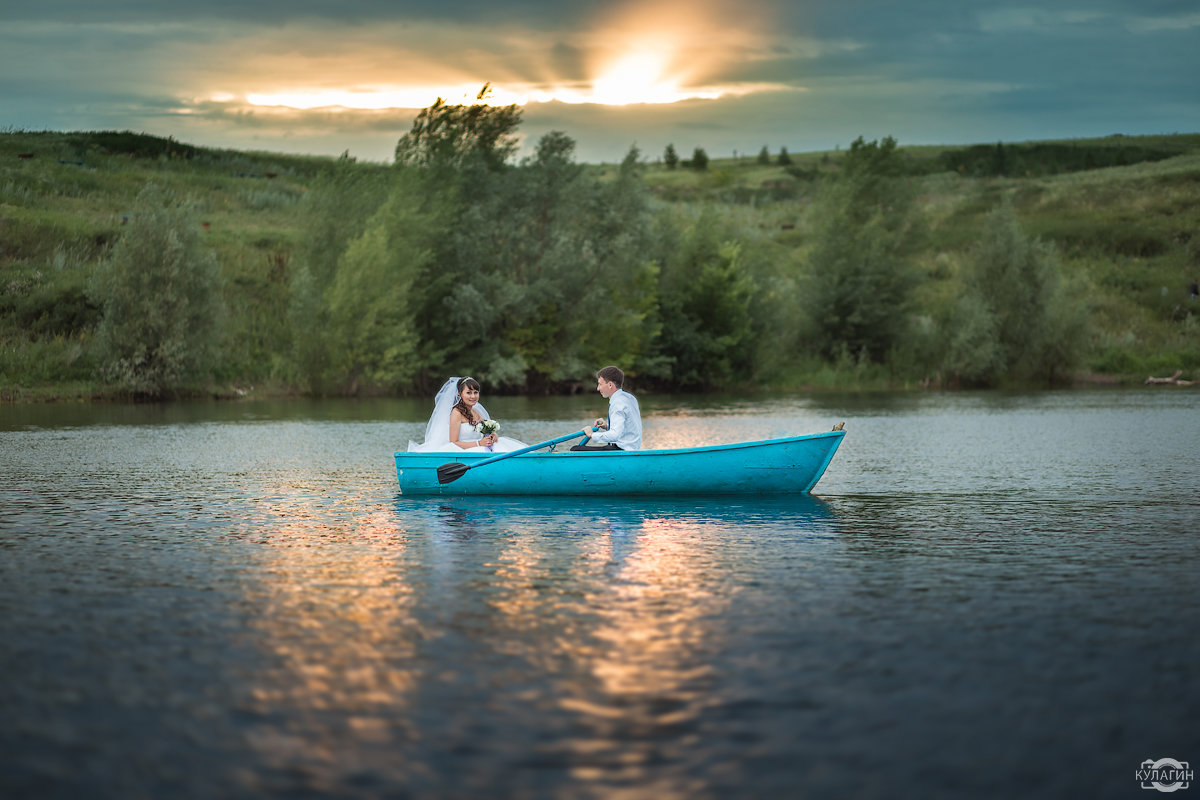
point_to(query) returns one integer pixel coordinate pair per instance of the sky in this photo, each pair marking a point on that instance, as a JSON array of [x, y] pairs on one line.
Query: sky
[[728, 76]]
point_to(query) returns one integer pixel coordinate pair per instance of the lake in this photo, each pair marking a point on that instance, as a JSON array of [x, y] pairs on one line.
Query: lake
[[988, 595]]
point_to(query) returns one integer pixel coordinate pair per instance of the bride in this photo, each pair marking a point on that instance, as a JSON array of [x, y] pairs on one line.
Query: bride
[[456, 412]]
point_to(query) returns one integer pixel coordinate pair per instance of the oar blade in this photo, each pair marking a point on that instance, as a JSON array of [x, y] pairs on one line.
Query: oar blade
[[451, 472]]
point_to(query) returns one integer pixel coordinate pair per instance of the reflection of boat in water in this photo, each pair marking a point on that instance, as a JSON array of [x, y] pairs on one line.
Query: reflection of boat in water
[[498, 517], [791, 465], [795, 509]]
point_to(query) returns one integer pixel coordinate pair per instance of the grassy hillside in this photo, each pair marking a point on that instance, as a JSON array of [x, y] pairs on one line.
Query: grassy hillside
[[64, 200], [1123, 212], [1129, 234]]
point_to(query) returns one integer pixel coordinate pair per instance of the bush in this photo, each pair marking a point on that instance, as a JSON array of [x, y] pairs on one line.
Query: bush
[[860, 281], [56, 311], [1015, 319], [160, 292], [138, 145]]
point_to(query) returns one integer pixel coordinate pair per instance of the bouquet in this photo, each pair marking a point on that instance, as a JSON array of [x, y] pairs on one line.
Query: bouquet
[[487, 427]]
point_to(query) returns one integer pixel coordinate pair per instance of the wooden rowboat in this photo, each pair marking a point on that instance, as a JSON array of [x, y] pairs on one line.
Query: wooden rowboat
[[791, 465]]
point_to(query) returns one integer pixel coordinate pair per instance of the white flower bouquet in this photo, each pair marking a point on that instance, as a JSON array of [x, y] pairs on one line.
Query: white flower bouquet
[[487, 427]]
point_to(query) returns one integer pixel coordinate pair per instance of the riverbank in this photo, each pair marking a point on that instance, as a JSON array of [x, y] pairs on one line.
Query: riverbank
[[84, 393]]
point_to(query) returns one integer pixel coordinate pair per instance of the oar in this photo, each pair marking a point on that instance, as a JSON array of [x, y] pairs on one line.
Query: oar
[[452, 472]]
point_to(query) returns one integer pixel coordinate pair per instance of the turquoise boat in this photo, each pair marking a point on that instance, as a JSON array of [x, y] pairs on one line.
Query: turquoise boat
[[791, 465]]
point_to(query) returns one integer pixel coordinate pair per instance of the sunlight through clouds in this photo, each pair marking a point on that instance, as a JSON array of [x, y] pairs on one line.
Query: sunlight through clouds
[[611, 89], [642, 55], [727, 76]]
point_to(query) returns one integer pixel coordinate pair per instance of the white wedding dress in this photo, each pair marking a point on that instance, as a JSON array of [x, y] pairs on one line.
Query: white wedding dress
[[437, 431], [467, 433]]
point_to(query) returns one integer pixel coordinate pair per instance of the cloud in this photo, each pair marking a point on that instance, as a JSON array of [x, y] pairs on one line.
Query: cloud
[[1035, 20], [800, 74], [1176, 23], [530, 14]]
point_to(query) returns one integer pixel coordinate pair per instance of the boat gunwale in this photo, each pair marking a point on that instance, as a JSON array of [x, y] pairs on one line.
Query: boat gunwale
[[444, 455]]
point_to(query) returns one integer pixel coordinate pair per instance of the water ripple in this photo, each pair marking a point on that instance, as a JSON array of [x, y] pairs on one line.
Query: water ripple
[[247, 608]]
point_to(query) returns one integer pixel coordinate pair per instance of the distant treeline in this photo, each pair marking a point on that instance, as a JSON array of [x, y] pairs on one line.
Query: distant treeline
[[128, 143], [1019, 160], [1037, 159]]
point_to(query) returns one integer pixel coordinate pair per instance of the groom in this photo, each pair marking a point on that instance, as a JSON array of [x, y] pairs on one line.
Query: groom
[[623, 430]]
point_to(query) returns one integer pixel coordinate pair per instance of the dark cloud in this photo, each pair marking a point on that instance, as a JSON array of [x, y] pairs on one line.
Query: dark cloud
[[537, 13], [568, 62], [925, 71]]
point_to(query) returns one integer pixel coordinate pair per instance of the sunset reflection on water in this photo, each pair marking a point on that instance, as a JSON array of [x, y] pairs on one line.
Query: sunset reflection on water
[[338, 639], [600, 616], [606, 616], [396, 643]]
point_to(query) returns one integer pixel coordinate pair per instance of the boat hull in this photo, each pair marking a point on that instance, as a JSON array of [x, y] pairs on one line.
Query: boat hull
[[791, 465]]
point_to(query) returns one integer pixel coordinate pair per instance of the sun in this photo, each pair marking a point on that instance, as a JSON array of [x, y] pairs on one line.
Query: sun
[[639, 78]]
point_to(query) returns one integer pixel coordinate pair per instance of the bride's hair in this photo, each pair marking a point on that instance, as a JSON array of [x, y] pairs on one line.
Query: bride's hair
[[462, 407]]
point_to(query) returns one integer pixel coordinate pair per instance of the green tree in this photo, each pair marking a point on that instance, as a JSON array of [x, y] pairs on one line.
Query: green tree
[[474, 198], [448, 135], [860, 281], [973, 353], [670, 157], [528, 259], [705, 296], [372, 328], [764, 157], [699, 159], [784, 159], [161, 297], [503, 296], [336, 212], [1015, 318], [612, 284], [877, 159]]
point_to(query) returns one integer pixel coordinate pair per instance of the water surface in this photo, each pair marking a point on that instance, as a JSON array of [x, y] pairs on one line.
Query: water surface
[[990, 594]]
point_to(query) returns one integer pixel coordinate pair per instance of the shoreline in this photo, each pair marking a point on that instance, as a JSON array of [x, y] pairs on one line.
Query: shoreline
[[92, 394]]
